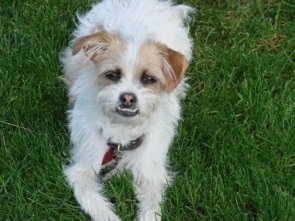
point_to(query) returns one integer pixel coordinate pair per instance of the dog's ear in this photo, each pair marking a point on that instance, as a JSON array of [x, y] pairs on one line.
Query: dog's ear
[[94, 45], [174, 66]]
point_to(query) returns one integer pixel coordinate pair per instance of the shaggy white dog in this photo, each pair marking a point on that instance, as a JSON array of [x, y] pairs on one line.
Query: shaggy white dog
[[125, 73]]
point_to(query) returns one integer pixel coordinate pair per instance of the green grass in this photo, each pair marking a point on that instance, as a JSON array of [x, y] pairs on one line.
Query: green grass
[[235, 147]]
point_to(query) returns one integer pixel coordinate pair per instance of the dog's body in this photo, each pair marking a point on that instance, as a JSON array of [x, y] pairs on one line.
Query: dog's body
[[124, 69]]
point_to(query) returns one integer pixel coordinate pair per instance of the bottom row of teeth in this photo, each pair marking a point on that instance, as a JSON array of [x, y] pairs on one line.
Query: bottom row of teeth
[[127, 109]]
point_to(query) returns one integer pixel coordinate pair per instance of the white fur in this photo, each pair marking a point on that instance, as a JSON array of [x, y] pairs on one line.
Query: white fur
[[92, 121]]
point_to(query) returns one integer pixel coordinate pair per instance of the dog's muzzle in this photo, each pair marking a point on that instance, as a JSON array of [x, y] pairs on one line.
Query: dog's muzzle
[[127, 106]]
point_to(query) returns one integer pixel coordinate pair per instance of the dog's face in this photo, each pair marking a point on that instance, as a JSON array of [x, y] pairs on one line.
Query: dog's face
[[131, 78]]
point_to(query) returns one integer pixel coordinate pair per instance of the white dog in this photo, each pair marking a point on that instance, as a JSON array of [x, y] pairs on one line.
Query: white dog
[[125, 72]]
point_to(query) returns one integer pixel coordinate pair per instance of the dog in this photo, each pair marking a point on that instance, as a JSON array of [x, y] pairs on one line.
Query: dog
[[124, 69]]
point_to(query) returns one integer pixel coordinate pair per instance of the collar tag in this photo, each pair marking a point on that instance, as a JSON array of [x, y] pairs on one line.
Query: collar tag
[[115, 152]]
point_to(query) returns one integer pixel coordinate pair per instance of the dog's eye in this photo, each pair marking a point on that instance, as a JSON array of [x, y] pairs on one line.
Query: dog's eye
[[113, 75], [147, 79]]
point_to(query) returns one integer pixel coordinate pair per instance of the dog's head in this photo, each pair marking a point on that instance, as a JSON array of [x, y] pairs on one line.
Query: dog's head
[[131, 78]]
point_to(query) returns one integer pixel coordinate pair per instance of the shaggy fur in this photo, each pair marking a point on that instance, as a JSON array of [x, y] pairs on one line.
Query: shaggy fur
[[138, 50]]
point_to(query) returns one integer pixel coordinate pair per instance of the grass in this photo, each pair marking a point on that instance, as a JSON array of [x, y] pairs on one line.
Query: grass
[[235, 147]]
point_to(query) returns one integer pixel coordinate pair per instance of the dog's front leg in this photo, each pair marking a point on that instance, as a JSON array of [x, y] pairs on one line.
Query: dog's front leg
[[150, 181], [149, 192], [88, 193], [81, 174]]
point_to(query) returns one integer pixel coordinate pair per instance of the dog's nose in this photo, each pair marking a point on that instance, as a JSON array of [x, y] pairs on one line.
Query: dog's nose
[[128, 99]]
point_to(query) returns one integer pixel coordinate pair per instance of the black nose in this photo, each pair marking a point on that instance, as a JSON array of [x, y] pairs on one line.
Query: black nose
[[128, 99]]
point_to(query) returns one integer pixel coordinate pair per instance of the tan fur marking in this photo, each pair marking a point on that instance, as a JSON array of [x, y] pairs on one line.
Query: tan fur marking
[[97, 46], [149, 63], [174, 66], [163, 63]]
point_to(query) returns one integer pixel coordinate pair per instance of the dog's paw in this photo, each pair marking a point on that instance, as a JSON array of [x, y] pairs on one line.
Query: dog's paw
[[98, 208], [149, 216], [107, 217]]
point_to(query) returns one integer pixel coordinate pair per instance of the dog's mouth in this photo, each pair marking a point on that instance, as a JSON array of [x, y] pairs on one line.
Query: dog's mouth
[[127, 111]]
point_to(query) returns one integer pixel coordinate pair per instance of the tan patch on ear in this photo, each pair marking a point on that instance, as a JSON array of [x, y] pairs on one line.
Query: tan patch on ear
[[174, 66], [96, 46]]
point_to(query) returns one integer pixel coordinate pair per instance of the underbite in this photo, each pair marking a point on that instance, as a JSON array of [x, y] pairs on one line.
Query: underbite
[[127, 112]]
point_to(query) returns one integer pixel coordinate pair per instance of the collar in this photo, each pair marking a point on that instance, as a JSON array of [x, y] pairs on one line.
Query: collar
[[132, 145], [115, 149]]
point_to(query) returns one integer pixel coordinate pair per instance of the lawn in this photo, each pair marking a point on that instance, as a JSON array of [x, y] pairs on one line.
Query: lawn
[[235, 147]]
